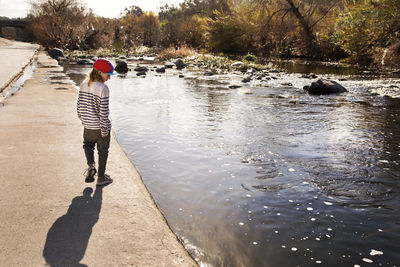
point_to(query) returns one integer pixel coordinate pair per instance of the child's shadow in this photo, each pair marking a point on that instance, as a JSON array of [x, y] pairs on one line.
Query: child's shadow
[[68, 237]]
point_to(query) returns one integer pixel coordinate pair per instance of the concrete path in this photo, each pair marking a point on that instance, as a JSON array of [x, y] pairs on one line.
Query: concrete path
[[49, 215], [14, 56]]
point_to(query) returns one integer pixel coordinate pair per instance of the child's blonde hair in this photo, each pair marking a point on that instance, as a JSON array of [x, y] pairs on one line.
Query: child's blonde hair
[[94, 76]]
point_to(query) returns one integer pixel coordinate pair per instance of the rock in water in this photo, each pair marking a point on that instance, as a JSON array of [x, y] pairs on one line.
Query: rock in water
[[121, 67], [287, 84], [237, 64], [141, 68], [160, 70], [324, 87], [246, 80], [85, 62], [179, 63], [309, 76], [56, 53]]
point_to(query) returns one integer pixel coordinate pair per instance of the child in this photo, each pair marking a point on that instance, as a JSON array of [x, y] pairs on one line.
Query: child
[[93, 111]]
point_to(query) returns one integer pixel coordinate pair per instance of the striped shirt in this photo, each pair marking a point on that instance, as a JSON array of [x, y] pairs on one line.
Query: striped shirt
[[93, 106]]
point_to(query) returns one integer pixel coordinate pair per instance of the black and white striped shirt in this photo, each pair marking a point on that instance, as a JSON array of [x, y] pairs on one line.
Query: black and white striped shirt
[[93, 106]]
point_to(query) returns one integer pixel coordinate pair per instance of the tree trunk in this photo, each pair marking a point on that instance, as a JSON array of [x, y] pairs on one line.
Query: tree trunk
[[309, 35]]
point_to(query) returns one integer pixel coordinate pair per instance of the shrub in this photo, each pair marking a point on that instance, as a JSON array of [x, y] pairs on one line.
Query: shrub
[[250, 58]]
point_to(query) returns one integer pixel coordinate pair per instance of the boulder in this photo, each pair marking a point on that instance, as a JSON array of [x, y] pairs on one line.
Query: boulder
[[179, 63], [121, 67], [246, 80], [85, 62], [141, 69], [324, 87], [56, 53], [309, 76], [160, 70], [251, 71], [234, 86], [237, 64], [287, 84], [260, 76], [208, 73]]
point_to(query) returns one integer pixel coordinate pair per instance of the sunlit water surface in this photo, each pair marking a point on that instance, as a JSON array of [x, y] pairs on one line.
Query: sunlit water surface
[[265, 174]]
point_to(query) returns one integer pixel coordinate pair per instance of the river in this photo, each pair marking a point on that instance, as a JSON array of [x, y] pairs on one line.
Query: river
[[265, 174]]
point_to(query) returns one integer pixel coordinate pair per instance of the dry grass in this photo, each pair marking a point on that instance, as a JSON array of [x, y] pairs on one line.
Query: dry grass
[[171, 52]]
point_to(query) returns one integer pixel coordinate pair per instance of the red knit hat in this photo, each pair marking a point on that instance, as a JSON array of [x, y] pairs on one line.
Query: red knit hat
[[104, 65]]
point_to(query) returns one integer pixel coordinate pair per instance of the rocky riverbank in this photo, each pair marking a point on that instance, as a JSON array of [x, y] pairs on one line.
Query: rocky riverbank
[[248, 70]]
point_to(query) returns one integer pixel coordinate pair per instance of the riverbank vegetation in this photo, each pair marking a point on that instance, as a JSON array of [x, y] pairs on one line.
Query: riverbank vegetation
[[355, 31]]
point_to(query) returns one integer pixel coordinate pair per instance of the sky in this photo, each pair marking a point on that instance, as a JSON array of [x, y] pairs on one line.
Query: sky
[[105, 8]]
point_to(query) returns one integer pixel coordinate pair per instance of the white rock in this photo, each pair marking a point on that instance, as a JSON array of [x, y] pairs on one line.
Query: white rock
[[375, 252], [367, 260], [237, 64]]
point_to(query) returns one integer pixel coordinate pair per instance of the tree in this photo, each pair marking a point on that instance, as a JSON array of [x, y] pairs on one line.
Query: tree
[[65, 24], [225, 33], [136, 30], [181, 28], [170, 18], [58, 22], [133, 10], [150, 28], [307, 13], [205, 7], [368, 27]]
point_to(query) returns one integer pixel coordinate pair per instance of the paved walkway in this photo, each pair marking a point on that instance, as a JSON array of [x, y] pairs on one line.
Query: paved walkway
[[14, 56], [49, 216]]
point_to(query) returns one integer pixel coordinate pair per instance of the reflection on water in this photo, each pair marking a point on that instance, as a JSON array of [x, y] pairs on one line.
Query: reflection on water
[[306, 67], [266, 175], [27, 74]]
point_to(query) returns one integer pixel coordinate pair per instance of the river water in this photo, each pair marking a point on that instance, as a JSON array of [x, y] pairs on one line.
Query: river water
[[265, 174]]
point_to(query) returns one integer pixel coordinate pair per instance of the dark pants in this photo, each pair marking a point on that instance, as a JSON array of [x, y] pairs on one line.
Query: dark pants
[[90, 139]]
